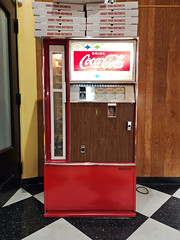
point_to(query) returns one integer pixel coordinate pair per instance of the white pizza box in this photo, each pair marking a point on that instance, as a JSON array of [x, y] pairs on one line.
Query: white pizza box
[[57, 19], [113, 13], [57, 5], [118, 5], [59, 34], [112, 34], [111, 27], [113, 20], [133, 32], [55, 27], [44, 12]]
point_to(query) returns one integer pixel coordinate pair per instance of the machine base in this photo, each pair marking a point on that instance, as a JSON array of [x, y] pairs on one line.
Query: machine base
[[121, 214]]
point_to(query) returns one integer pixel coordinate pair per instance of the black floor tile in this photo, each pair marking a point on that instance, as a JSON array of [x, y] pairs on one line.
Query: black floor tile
[[6, 194], [7, 190], [107, 228], [165, 188], [34, 188], [169, 213], [21, 219]]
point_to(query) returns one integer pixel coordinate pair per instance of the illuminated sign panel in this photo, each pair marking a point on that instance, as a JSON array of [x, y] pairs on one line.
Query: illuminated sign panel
[[102, 61]]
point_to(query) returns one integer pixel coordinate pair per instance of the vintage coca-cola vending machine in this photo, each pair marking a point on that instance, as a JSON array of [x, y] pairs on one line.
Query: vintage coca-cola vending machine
[[90, 102]]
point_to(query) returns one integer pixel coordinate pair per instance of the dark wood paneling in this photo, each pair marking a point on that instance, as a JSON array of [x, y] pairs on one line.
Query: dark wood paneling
[[40, 109], [149, 92], [80, 123], [172, 121], [105, 139], [159, 92], [158, 153], [143, 18]]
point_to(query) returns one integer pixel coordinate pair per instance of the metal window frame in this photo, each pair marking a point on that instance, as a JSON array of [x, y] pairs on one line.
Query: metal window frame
[[58, 49]]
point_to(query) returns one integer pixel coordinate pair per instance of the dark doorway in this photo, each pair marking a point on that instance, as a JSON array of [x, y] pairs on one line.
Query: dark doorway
[[10, 163]]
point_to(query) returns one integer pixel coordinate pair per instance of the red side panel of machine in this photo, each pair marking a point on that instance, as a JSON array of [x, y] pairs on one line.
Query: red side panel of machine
[[90, 190]]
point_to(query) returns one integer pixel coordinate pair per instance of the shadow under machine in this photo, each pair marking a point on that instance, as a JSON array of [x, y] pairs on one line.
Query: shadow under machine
[[90, 126]]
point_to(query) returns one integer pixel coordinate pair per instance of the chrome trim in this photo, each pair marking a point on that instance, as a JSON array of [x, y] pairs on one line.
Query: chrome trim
[[136, 98], [102, 102], [101, 82], [57, 49], [43, 88], [92, 164]]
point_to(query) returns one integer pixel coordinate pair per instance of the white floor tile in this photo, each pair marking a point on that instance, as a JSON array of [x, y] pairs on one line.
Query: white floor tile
[[21, 194], [153, 230], [58, 230], [177, 193], [147, 204], [40, 197]]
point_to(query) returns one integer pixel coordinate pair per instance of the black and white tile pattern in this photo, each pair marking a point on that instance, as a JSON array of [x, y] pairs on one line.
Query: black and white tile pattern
[[158, 218]]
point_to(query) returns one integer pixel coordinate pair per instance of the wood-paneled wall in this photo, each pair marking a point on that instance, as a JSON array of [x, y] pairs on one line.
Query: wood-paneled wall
[[158, 145], [158, 148]]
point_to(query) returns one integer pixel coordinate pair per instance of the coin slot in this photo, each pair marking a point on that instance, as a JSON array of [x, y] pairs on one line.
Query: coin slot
[[111, 110], [82, 92]]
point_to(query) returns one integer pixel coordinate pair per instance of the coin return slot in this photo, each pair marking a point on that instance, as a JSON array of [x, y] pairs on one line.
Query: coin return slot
[[111, 110], [82, 92]]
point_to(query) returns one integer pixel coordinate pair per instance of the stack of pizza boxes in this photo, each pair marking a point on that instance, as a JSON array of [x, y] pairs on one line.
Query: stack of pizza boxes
[[112, 20], [54, 19]]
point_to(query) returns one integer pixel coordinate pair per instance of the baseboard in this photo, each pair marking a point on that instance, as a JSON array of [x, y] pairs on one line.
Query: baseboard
[[32, 181], [158, 180]]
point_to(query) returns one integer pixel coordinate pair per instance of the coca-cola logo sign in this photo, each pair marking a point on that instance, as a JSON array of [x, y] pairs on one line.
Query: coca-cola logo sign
[[102, 60]]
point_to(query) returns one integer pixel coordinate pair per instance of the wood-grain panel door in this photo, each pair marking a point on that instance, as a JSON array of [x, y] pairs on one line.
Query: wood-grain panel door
[[105, 139]]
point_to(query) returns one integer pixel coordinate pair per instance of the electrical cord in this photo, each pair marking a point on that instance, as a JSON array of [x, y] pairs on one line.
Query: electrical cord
[[146, 190]]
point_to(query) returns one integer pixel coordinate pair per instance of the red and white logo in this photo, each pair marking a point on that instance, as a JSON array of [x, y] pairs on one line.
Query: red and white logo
[[101, 61]]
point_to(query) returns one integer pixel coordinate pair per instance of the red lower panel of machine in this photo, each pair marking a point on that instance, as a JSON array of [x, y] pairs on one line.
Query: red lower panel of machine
[[89, 190]]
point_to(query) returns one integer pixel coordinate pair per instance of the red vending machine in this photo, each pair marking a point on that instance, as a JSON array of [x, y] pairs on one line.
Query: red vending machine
[[90, 97]]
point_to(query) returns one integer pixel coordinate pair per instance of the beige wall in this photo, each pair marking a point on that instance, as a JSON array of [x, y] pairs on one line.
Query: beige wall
[[28, 89]]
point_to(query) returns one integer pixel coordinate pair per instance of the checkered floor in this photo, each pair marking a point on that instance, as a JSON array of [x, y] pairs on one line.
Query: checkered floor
[[158, 218]]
